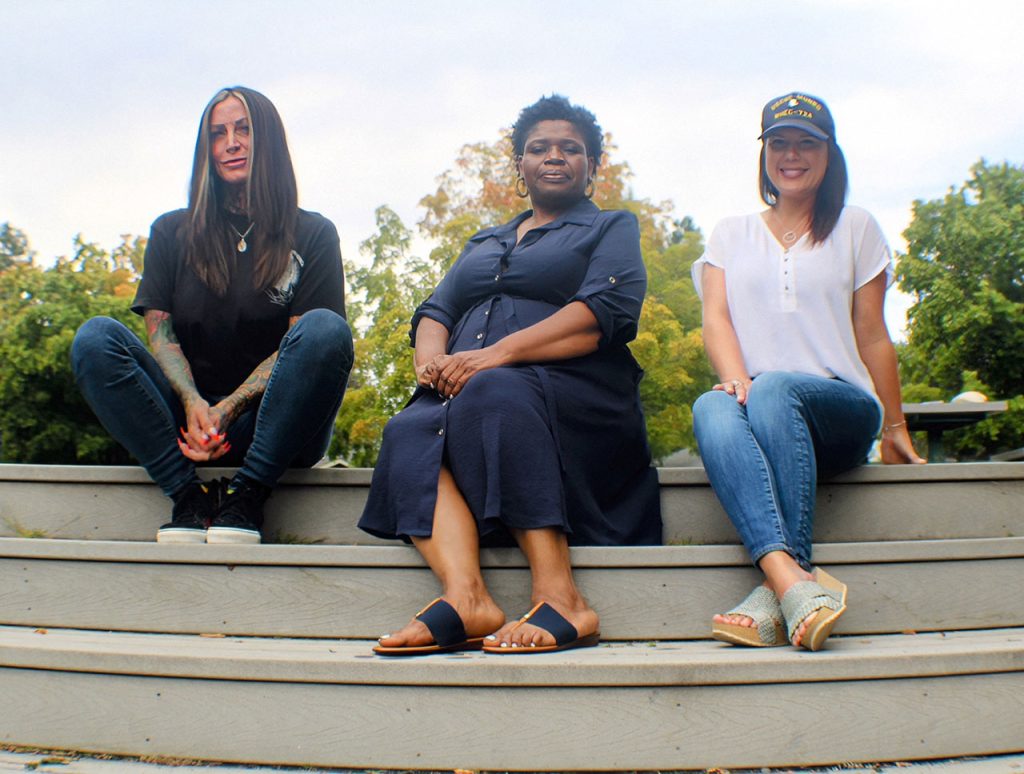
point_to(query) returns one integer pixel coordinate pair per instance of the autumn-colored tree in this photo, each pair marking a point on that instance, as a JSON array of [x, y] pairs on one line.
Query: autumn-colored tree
[[43, 418]]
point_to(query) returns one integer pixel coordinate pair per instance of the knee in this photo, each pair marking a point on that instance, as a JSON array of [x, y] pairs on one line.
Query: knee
[[713, 406], [327, 333], [91, 340], [717, 418], [773, 390]]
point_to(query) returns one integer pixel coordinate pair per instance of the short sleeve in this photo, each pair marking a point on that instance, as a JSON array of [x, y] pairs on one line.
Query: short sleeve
[[159, 266], [322, 284], [616, 279], [871, 251], [714, 254]]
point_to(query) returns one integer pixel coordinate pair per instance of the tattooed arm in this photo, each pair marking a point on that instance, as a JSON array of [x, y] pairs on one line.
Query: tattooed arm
[[251, 390], [204, 436]]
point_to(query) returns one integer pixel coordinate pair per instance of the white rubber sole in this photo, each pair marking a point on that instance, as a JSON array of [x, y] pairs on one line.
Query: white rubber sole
[[173, 535], [232, 535]]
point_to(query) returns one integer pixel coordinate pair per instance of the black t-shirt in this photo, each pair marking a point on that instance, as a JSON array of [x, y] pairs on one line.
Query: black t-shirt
[[224, 339]]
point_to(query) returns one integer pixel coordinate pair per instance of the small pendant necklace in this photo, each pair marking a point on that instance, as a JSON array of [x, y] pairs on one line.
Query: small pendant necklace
[[790, 235], [242, 245]]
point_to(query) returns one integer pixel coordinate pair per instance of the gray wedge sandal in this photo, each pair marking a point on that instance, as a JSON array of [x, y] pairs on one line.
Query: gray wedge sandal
[[819, 603], [768, 631]]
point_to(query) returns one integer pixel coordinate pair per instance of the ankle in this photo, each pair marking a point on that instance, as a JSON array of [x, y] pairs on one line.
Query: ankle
[[255, 489], [468, 592], [569, 600]]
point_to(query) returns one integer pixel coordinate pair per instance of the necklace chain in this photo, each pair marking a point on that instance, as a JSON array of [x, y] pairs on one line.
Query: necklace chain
[[790, 235], [242, 245]]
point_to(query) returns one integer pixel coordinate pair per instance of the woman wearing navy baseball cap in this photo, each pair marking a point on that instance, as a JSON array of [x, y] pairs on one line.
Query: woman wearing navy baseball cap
[[793, 324]]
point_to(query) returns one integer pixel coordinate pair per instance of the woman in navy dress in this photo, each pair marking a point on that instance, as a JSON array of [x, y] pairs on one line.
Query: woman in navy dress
[[526, 422]]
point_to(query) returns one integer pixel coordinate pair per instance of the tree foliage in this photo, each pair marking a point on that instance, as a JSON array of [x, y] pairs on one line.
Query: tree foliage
[[381, 298], [965, 269], [43, 418]]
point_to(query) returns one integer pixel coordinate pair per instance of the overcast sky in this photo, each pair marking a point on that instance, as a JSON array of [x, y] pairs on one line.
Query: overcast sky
[[101, 99]]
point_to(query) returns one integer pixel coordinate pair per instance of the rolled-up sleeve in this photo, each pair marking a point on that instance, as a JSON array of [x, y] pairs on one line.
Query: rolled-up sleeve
[[616, 279]]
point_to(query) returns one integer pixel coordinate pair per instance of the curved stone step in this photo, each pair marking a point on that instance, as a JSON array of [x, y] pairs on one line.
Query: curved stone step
[[871, 503], [626, 706], [653, 593]]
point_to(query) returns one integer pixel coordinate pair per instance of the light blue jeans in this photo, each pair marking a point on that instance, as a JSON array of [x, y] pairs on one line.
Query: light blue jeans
[[290, 427], [764, 458]]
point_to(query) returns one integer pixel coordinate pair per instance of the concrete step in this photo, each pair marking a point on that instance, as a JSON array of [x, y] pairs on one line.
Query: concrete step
[[871, 503], [652, 593], [621, 706]]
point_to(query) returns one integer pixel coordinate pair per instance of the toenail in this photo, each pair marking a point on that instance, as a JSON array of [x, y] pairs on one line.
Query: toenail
[[491, 637], [504, 644], [533, 644], [515, 644], [383, 637]]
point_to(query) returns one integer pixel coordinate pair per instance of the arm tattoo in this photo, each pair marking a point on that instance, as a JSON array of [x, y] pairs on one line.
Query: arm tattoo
[[167, 352], [251, 390]]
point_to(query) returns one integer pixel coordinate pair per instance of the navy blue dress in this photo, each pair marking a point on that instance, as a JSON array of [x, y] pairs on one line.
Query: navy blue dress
[[557, 444]]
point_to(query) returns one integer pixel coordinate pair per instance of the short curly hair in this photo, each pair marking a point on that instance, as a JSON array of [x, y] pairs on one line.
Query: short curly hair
[[558, 108]]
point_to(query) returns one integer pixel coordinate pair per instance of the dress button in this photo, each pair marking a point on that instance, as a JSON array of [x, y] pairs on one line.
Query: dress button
[[611, 280], [440, 431], [479, 336], [486, 312], [497, 277]]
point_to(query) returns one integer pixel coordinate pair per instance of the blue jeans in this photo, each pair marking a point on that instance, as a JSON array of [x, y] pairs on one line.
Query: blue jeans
[[290, 427], [763, 459]]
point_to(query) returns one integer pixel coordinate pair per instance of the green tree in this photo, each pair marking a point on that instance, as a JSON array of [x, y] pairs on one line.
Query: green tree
[[965, 269], [13, 247], [43, 418], [382, 298]]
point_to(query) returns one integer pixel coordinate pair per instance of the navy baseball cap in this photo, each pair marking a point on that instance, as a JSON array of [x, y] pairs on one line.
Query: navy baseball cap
[[799, 111]]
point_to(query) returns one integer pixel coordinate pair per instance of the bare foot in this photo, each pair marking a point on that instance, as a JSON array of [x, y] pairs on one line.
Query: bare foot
[[479, 617], [524, 635]]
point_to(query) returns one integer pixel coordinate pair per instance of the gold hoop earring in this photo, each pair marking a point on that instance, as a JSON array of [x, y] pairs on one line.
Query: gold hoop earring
[[522, 194], [589, 190]]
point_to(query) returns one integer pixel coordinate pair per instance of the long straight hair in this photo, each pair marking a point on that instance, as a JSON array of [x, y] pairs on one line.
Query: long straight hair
[[270, 193], [829, 199]]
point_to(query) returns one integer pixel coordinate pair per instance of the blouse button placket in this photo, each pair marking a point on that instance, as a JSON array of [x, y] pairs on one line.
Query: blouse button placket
[[788, 282]]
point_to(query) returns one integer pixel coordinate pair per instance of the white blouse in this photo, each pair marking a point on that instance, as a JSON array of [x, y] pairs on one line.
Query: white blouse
[[792, 308]]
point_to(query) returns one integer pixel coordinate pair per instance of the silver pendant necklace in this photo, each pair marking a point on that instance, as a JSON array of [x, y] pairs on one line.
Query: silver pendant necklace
[[789, 236], [242, 245]]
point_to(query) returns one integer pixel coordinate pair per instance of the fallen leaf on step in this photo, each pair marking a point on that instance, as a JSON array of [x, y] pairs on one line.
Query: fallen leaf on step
[[211, 635], [908, 631], [41, 631]]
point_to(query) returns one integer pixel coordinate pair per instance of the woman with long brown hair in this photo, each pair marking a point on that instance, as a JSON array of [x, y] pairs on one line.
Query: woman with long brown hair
[[793, 325], [249, 353]]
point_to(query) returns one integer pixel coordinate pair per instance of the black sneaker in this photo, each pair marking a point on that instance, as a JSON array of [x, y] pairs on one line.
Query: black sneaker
[[241, 513], [193, 509]]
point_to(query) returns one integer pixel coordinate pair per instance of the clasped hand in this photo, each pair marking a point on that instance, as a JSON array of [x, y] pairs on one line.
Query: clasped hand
[[205, 437], [448, 374]]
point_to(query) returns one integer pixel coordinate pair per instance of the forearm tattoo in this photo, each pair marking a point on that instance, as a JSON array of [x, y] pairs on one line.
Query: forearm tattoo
[[251, 390], [167, 352]]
